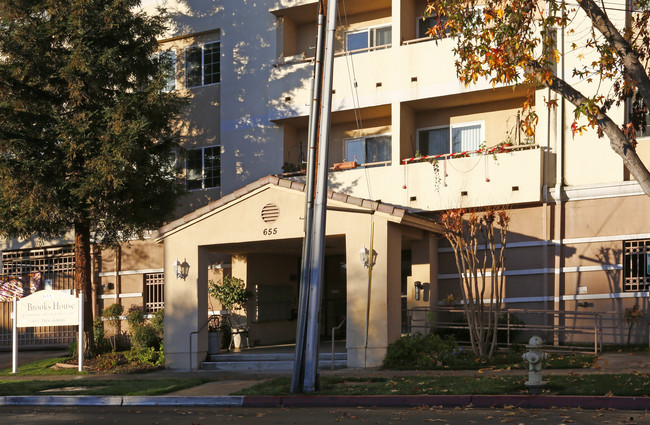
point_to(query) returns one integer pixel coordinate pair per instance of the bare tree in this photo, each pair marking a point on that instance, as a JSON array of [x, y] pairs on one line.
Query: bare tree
[[479, 242]]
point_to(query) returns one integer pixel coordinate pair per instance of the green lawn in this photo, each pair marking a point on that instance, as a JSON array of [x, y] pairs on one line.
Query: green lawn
[[599, 385], [42, 367]]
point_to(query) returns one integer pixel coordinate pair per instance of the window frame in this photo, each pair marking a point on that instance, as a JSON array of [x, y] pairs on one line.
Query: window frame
[[203, 176], [451, 128], [154, 294], [371, 38], [633, 250], [365, 139], [187, 69]]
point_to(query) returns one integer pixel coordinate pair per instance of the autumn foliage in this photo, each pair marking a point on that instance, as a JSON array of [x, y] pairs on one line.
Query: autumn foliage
[[593, 55]]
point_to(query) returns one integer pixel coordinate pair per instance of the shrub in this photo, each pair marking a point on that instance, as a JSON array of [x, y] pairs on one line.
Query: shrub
[[102, 345], [112, 314], [135, 316], [419, 351], [149, 356], [158, 322], [145, 334]]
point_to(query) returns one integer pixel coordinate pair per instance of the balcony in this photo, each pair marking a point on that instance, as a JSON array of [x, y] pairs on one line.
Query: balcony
[[471, 179], [426, 71]]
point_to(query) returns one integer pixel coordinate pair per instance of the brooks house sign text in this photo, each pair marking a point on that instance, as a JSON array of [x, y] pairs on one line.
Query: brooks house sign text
[[47, 308]]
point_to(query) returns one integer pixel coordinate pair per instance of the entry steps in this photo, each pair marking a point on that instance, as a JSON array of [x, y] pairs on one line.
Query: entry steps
[[267, 362]]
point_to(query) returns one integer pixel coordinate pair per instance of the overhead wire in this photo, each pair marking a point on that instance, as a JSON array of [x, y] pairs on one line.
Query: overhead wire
[[354, 89]]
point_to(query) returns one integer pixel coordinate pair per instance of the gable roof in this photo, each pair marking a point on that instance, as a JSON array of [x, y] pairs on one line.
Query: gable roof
[[399, 214]]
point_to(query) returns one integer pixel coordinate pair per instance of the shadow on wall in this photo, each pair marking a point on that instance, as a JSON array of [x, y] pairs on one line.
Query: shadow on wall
[[252, 145]]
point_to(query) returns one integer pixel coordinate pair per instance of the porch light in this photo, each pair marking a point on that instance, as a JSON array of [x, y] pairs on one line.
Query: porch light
[[364, 254], [182, 269]]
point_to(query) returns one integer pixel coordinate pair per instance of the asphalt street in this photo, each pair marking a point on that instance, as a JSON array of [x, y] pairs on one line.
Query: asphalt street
[[313, 416]]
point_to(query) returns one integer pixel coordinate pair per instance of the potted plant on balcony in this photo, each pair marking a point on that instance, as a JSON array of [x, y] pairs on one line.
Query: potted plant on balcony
[[215, 335], [231, 292]]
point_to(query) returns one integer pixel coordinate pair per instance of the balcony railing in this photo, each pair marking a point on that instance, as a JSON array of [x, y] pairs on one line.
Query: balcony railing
[[484, 151]]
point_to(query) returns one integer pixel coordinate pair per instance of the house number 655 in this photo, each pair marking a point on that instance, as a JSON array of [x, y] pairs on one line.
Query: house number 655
[[270, 231]]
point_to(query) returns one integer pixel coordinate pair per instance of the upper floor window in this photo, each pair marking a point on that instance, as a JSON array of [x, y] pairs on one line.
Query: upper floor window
[[203, 168], [369, 149], [450, 139], [636, 262], [368, 38], [203, 64], [426, 22], [637, 112], [168, 59]]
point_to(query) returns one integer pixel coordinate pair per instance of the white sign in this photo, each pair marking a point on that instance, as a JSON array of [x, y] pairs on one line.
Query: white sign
[[47, 308]]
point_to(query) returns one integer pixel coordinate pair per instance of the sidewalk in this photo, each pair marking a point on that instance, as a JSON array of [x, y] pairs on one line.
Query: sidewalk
[[217, 392]]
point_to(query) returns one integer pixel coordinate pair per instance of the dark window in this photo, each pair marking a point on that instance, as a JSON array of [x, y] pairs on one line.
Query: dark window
[[203, 168], [203, 65]]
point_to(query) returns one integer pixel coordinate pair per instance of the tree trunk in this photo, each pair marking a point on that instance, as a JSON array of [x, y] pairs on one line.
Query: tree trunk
[[82, 280]]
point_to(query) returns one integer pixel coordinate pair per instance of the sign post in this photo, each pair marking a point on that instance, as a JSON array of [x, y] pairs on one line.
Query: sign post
[[14, 338], [80, 344]]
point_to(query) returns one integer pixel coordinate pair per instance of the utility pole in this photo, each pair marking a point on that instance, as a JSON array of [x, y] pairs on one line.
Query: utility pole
[[305, 373]]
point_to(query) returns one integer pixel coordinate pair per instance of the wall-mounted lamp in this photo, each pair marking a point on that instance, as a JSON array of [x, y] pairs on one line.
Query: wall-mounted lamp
[[364, 254], [418, 287], [182, 269]]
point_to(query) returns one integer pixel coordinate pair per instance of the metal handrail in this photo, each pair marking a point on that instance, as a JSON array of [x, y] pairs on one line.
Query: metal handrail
[[333, 332], [213, 316], [596, 330]]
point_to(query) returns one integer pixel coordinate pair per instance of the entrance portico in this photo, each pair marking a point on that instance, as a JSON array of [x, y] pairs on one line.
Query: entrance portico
[[258, 232]]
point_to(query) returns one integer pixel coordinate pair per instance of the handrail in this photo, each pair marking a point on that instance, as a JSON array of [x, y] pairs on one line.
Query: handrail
[[595, 327], [333, 332], [196, 332]]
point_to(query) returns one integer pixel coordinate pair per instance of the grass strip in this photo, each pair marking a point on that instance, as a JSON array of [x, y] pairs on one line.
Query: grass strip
[[141, 387], [571, 384], [43, 367]]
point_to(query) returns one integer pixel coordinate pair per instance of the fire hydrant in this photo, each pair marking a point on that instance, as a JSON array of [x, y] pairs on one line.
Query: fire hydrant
[[536, 361]]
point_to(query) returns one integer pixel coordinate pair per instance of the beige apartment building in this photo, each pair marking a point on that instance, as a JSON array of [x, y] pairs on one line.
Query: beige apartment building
[[578, 238]]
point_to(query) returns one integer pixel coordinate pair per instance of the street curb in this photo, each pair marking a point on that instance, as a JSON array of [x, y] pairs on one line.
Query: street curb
[[483, 401], [54, 400], [480, 401]]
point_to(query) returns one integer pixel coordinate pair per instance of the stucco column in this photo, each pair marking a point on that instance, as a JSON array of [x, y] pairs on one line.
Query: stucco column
[[424, 269], [373, 307], [185, 306]]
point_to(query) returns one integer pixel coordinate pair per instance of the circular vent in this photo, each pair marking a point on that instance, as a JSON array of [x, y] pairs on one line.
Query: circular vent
[[270, 213]]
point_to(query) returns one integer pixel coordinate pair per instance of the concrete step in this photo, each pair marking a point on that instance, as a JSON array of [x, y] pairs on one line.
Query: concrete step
[[267, 367], [269, 362], [268, 357]]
